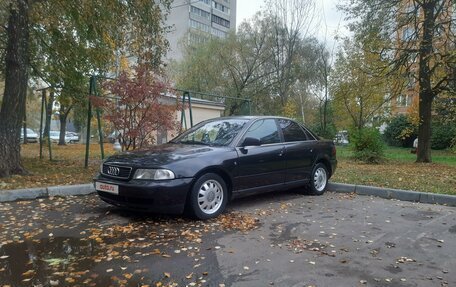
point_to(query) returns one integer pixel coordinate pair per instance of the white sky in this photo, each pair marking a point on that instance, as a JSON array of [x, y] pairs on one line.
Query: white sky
[[329, 15]]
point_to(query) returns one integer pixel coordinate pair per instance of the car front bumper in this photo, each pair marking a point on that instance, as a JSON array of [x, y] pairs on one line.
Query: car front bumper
[[167, 196]]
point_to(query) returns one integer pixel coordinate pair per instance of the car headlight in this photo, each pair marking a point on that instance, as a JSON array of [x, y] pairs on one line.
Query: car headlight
[[155, 174]]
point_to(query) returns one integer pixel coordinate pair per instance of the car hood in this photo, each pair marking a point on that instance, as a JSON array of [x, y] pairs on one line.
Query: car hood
[[161, 155]]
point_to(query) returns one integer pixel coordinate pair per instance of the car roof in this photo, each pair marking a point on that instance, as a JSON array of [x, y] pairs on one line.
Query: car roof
[[254, 117]]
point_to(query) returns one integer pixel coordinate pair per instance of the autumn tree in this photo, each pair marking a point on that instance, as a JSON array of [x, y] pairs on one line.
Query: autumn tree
[[290, 22], [139, 106], [418, 40], [16, 69], [81, 38], [243, 65], [358, 91]]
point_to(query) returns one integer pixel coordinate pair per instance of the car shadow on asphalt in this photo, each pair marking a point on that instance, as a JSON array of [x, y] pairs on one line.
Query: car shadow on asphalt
[[235, 205], [267, 198]]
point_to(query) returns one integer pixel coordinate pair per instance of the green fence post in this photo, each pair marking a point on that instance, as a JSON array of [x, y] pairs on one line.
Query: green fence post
[[48, 120], [89, 117], [183, 118], [43, 96], [190, 109], [100, 133]]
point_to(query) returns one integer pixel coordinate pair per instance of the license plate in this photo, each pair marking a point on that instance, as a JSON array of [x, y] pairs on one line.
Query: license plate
[[106, 187]]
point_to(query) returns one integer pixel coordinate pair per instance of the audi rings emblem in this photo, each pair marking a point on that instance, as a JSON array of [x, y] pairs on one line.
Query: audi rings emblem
[[113, 170]]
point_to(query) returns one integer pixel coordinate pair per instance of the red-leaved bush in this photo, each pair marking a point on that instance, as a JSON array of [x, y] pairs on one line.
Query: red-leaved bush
[[141, 108]]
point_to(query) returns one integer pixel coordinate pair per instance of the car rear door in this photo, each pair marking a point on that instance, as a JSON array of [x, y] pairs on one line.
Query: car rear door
[[299, 151], [263, 165]]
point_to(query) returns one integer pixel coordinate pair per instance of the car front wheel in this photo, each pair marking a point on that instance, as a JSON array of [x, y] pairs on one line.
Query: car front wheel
[[208, 196], [319, 179]]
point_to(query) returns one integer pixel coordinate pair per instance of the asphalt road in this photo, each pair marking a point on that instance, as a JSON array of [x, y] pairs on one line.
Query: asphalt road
[[277, 239]]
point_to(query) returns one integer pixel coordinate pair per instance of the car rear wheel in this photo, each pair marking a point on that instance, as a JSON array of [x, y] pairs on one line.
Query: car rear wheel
[[208, 197], [319, 179]]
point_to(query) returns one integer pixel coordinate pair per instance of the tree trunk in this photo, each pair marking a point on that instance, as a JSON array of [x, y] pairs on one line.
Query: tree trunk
[[49, 105], [62, 119], [63, 115], [16, 77], [424, 130], [426, 95]]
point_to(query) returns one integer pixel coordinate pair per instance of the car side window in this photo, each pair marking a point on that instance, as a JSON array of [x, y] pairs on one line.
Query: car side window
[[264, 130], [292, 132], [310, 136]]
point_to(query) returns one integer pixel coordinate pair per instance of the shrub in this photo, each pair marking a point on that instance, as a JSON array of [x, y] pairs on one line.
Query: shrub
[[442, 135], [367, 145], [329, 133], [400, 132]]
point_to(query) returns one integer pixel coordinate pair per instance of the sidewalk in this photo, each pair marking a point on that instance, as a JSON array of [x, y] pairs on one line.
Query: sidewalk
[[84, 189]]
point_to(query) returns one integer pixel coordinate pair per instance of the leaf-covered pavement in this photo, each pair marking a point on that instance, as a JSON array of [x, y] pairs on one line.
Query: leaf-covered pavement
[[80, 241], [279, 239]]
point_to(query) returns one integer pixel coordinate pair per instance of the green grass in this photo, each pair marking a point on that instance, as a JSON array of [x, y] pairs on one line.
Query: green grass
[[403, 155], [399, 170]]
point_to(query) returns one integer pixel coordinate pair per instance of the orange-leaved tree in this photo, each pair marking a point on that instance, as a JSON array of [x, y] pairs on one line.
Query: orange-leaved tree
[[140, 107]]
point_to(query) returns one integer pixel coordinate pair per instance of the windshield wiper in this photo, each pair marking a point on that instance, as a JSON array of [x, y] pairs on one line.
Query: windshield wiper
[[193, 142]]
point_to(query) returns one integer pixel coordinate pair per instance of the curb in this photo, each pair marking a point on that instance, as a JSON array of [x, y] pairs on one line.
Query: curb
[[389, 193], [32, 193]]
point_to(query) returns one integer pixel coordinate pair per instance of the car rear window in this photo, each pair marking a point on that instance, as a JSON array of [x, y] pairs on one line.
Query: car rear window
[[292, 132]]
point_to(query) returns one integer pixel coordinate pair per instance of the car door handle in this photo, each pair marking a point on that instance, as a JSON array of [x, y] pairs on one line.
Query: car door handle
[[282, 151]]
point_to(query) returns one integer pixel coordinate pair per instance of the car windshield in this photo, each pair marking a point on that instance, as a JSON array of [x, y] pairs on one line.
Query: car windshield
[[218, 132]]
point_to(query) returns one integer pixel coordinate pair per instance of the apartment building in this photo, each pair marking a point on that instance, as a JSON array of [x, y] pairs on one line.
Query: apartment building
[[194, 21], [407, 38]]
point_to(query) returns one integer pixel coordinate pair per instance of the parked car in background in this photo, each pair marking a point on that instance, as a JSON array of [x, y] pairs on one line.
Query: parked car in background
[[32, 136], [341, 138], [71, 137], [55, 136], [215, 161]]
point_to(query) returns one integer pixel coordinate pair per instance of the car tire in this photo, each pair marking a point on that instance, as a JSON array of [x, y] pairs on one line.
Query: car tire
[[208, 197], [318, 179]]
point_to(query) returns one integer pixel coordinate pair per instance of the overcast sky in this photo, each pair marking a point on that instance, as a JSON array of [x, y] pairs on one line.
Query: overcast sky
[[332, 20]]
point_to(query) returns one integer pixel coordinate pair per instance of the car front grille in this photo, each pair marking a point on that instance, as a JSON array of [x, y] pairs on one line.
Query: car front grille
[[116, 171]]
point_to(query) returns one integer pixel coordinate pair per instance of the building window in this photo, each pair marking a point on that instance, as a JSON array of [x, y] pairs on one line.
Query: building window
[[199, 12], [162, 136], [409, 101], [220, 21], [197, 38], [404, 101], [218, 33], [400, 101], [220, 7], [206, 2], [200, 26], [410, 82]]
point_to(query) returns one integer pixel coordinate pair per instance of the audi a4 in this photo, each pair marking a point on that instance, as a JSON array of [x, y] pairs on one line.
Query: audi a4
[[205, 167]]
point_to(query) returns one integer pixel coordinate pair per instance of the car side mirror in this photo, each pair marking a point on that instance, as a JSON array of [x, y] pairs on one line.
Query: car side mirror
[[249, 141]]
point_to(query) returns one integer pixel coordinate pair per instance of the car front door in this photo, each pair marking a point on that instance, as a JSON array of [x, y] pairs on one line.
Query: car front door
[[261, 165], [299, 151]]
